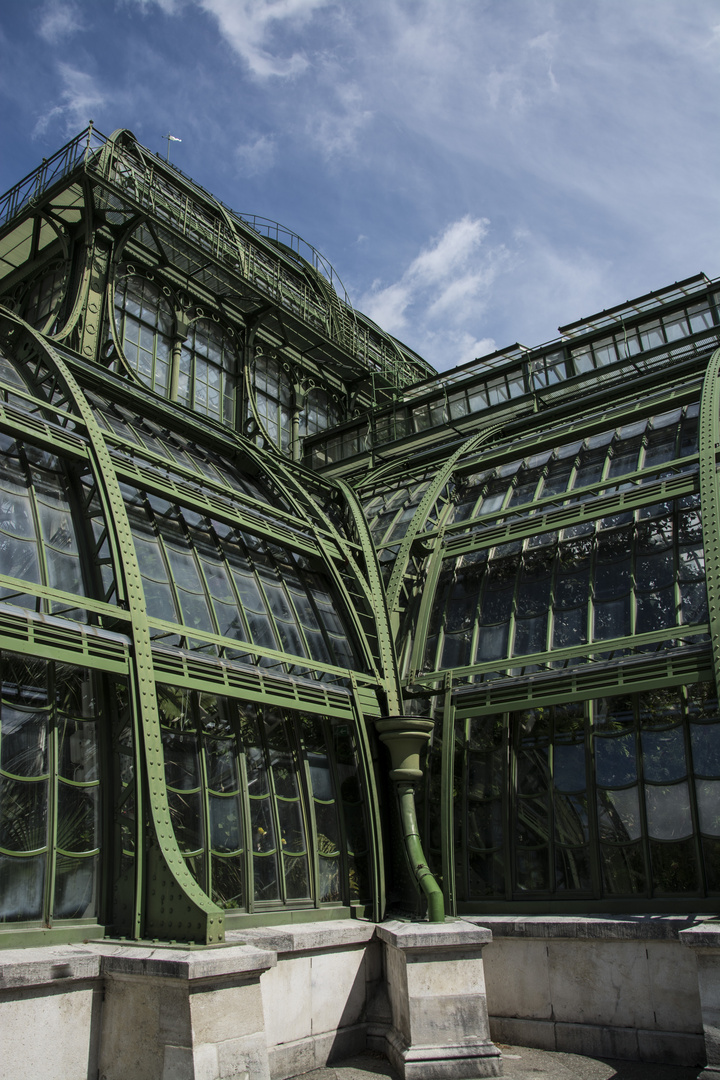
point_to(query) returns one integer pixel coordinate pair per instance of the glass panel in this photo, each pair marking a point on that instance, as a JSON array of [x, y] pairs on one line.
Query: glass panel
[[24, 742], [76, 888], [22, 883], [23, 814], [668, 811], [228, 885], [623, 870], [78, 824], [225, 823], [708, 799], [674, 867], [619, 815], [615, 761]]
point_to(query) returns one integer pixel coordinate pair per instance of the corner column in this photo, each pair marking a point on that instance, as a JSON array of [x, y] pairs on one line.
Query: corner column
[[175, 1014], [436, 986]]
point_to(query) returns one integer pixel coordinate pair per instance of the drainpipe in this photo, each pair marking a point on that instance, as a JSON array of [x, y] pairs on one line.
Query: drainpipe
[[405, 737]]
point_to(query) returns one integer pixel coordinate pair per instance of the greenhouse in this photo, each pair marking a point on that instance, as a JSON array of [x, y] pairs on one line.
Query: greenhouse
[[295, 630]]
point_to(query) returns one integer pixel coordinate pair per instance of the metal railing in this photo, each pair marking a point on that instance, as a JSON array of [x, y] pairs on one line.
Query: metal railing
[[238, 244]]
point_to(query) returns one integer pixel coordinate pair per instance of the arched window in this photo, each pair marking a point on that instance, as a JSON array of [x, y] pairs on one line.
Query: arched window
[[273, 399], [208, 364], [144, 321]]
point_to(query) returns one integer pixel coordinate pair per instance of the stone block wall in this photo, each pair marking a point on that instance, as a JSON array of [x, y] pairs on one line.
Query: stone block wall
[[292, 999], [616, 987], [318, 996]]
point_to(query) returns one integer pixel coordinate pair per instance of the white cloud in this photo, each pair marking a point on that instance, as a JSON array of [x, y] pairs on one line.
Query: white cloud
[[257, 156], [248, 26], [447, 278], [335, 130], [80, 98], [58, 20], [459, 285], [169, 7]]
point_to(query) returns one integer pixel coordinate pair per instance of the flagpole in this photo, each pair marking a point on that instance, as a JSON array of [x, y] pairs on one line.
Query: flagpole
[[170, 138]]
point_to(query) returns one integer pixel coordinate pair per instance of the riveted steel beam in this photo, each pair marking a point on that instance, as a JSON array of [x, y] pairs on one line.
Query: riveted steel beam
[[174, 904], [708, 438]]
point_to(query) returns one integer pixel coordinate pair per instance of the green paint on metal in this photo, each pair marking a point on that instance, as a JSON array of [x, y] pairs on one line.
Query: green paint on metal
[[709, 436], [170, 903], [399, 572]]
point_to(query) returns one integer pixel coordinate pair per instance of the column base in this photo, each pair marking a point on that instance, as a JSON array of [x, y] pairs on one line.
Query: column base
[[460, 1062]]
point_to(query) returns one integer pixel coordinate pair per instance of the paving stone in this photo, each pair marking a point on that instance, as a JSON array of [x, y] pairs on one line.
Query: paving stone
[[522, 1063]]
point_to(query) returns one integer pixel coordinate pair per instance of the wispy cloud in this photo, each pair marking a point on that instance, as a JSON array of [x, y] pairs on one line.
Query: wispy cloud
[[58, 20], [447, 278], [250, 26], [256, 156], [335, 129], [438, 303], [80, 98]]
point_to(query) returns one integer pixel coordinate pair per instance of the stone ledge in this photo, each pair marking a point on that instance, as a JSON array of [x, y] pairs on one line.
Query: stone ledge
[[594, 928], [306, 937], [453, 933], [56, 965], [701, 937], [209, 963]]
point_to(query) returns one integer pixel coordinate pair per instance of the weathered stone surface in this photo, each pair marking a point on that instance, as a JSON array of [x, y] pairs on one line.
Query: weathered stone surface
[[605, 985], [595, 1040], [225, 1013], [338, 989], [49, 1033], [592, 928], [289, 983], [414, 935], [443, 1063], [674, 992], [163, 963], [436, 987], [49, 964], [522, 1032], [292, 1059], [671, 1048], [301, 937], [175, 1014], [517, 979]]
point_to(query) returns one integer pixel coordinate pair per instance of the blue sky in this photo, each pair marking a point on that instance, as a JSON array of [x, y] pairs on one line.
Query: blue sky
[[477, 171]]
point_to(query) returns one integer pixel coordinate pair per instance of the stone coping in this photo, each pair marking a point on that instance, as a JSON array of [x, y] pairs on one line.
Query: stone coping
[[596, 927], [179, 963], [453, 933], [701, 937], [306, 937], [67, 963], [53, 964], [254, 949]]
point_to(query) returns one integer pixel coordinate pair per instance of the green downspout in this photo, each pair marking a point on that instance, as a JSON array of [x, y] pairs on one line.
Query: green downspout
[[416, 855], [405, 737]]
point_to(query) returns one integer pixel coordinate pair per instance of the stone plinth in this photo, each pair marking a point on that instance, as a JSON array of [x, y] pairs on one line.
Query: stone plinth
[[436, 986], [705, 943], [175, 1014]]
